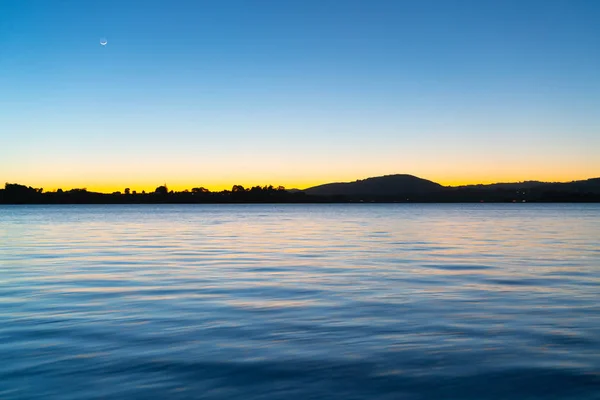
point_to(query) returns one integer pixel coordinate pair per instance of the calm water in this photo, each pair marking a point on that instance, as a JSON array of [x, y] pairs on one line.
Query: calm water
[[300, 302]]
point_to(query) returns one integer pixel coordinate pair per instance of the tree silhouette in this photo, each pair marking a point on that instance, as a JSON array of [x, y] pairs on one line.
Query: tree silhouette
[[127, 191], [162, 190]]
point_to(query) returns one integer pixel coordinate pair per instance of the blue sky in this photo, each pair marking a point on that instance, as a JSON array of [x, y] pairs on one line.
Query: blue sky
[[297, 92]]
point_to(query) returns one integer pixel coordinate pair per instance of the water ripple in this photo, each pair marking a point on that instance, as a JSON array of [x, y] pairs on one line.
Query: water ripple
[[312, 301]]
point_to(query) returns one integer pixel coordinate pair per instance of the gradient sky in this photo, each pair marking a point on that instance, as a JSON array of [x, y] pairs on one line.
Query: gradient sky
[[298, 92]]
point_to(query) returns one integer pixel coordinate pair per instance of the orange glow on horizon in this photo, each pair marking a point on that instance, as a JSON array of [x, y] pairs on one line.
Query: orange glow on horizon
[[215, 186]]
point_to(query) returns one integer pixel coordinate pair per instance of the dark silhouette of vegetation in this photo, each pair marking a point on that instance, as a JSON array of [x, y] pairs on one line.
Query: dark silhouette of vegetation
[[388, 189], [162, 190], [20, 194]]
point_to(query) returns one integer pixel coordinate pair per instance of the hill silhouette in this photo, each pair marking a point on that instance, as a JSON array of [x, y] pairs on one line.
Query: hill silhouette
[[588, 185], [585, 186], [504, 185], [387, 185]]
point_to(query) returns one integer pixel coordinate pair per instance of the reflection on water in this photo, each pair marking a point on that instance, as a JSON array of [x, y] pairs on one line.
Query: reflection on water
[[308, 301]]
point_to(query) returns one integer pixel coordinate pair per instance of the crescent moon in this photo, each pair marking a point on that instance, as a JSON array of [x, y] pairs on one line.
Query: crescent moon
[[103, 42]]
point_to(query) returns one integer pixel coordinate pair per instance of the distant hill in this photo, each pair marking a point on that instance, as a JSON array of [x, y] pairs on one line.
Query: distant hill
[[506, 185], [584, 186], [404, 187], [388, 185]]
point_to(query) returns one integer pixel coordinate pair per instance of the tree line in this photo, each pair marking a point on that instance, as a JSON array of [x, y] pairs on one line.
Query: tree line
[[21, 194]]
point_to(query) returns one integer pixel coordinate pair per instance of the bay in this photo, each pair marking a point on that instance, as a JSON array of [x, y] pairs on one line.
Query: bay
[[349, 301]]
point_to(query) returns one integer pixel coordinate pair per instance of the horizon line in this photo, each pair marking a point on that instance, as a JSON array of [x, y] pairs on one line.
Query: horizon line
[[223, 188]]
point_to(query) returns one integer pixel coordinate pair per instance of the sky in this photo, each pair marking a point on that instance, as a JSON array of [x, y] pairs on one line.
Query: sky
[[297, 92]]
